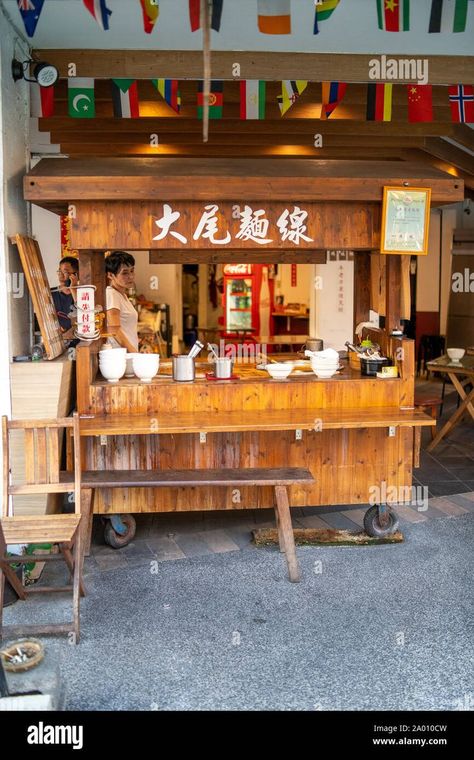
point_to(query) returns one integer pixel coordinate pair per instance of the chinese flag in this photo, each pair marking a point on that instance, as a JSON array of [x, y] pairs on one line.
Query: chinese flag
[[420, 102]]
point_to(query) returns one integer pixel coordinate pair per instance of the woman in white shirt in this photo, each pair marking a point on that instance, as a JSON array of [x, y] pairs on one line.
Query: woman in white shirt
[[122, 316]]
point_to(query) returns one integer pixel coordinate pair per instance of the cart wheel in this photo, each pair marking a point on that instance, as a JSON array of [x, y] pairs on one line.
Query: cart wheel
[[372, 526], [114, 539]]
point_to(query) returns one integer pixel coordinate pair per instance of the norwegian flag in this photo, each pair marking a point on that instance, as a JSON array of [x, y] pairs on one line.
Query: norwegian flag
[[461, 100], [99, 10], [30, 11]]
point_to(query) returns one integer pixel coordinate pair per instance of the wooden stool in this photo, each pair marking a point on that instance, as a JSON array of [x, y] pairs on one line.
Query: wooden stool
[[433, 403]]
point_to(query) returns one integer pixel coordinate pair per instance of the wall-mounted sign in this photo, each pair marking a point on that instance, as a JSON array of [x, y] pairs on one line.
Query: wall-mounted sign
[[405, 220]]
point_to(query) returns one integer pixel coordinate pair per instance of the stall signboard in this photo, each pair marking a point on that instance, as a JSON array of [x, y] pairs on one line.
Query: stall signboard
[[405, 220]]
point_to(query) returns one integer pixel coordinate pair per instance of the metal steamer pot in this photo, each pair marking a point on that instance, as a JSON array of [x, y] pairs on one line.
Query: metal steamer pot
[[370, 365], [314, 344]]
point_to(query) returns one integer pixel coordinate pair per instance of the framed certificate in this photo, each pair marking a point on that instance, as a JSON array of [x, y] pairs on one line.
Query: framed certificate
[[405, 220]]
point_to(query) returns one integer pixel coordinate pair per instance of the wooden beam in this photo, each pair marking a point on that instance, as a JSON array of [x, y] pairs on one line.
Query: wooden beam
[[277, 127], [187, 64], [53, 180], [361, 287], [188, 256], [463, 135], [448, 152]]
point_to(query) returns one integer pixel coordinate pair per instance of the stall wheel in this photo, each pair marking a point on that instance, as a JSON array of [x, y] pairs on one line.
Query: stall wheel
[[119, 530], [373, 519]]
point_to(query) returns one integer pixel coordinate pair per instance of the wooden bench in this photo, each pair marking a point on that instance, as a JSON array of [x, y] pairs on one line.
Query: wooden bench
[[279, 478]]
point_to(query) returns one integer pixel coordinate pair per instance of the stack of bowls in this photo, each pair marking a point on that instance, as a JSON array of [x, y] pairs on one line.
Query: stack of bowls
[[324, 363], [112, 363]]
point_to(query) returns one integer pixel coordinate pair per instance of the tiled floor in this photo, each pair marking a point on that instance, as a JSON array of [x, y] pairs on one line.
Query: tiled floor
[[447, 474]]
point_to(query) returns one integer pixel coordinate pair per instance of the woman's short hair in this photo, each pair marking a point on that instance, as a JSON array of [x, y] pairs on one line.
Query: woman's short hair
[[74, 263], [118, 259]]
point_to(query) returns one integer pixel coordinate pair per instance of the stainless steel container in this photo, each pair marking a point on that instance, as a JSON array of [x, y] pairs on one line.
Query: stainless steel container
[[183, 368], [314, 344], [223, 368]]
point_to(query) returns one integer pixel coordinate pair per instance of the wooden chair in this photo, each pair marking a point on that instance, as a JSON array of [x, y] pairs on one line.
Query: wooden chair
[[42, 475]]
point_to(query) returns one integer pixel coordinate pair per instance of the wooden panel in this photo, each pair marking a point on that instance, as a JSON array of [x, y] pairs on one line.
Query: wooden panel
[[197, 478], [41, 456], [35, 274], [361, 287], [392, 292], [229, 255], [30, 460], [53, 455], [187, 64], [52, 181], [132, 226]]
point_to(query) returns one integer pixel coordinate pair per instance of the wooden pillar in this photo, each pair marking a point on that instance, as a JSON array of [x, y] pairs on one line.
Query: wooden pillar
[[393, 292], [361, 287]]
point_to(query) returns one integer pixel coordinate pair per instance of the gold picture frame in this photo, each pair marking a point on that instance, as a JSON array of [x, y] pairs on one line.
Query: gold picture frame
[[405, 220]]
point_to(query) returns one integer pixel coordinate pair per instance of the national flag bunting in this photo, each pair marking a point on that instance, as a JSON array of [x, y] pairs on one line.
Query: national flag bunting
[[216, 99], [81, 99], [252, 99], [393, 15], [99, 10], [151, 11], [30, 11], [125, 98], [274, 16], [322, 11], [333, 93], [420, 102], [449, 16], [168, 89], [379, 102], [195, 14], [461, 100], [290, 92], [41, 100]]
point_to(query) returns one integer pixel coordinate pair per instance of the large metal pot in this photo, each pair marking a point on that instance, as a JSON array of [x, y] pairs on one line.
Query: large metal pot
[[314, 344], [183, 368], [370, 366]]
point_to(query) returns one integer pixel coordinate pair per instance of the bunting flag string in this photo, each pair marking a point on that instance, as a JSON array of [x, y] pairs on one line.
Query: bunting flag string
[[393, 15], [81, 97], [290, 92], [150, 11], [461, 100], [420, 102], [125, 98], [195, 14], [252, 99], [379, 102], [333, 93], [98, 9], [41, 101], [30, 11], [168, 89], [216, 100], [448, 16], [274, 16], [322, 11]]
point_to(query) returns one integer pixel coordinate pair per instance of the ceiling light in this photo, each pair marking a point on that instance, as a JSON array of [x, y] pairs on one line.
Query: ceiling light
[[43, 73]]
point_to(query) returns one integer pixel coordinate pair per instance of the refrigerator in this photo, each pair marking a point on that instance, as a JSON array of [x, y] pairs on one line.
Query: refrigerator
[[248, 300]]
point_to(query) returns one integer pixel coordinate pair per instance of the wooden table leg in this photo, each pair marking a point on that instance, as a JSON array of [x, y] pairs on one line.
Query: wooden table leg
[[458, 414], [459, 385], [416, 446], [280, 534], [286, 532]]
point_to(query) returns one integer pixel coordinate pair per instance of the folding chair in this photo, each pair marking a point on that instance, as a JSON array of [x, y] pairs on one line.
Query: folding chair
[[41, 475]]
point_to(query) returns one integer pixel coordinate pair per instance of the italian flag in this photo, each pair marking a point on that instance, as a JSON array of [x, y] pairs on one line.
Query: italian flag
[[125, 98], [393, 15], [449, 16], [252, 99], [274, 16]]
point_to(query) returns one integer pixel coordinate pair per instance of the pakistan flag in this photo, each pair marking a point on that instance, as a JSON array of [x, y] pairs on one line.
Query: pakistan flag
[[81, 102]]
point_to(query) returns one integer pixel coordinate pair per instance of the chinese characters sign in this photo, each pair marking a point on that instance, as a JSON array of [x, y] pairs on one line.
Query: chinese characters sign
[[219, 225]]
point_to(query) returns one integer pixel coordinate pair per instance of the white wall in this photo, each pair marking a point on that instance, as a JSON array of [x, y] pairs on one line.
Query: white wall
[[169, 286], [427, 277], [14, 112], [283, 286]]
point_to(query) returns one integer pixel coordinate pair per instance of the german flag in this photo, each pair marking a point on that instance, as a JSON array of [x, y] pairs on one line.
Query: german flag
[[379, 102]]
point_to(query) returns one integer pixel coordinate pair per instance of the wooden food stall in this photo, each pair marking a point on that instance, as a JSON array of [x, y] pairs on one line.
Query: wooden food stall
[[351, 432]]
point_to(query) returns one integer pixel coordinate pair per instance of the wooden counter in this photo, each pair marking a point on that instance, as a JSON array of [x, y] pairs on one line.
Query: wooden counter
[[339, 429]]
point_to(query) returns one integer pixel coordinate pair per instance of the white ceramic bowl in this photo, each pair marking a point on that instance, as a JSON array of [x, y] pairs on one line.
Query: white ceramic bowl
[[319, 367], [279, 370], [112, 353], [129, 365], [455, 354], [112, 372], [146, 366], [324, 374]]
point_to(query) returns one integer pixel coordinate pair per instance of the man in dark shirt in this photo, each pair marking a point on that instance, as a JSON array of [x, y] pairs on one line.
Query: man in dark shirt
[[68, 274]]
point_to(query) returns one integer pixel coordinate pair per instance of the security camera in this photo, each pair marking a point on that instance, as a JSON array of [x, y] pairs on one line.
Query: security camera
[[467, 207]]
